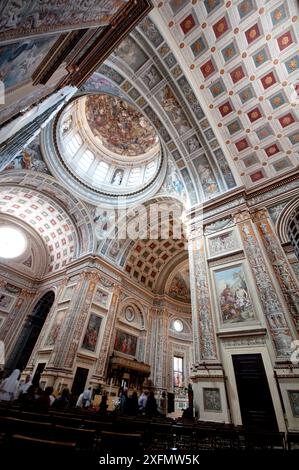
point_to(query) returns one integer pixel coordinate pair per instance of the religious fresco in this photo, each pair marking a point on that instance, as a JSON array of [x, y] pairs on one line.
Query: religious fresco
[[100, 83], [211, 399], [180, 288], [120, 127], [152, 77], [30, 158], [52, 336], [233, 296], [173, 183], [18, 16], [19, 60], [173, 110], [131, 53], [92, 332], [206, 175], [116, 247], [100, 297], [101, 220], [125, 343]]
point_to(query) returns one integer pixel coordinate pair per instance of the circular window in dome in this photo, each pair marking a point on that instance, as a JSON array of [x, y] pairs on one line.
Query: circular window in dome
[[178, 326], [12, 242], [105, 144]]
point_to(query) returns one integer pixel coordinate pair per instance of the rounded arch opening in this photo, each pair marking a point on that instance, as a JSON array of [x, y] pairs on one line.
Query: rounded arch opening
[[287, 225], [30, 332]]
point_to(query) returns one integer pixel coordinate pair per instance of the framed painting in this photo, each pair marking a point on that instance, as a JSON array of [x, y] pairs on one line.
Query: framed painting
[[52, 336], [294, 402], [125, 343], [233, 296], [6, 302], [211, 399], [101, 298], [92, 332]]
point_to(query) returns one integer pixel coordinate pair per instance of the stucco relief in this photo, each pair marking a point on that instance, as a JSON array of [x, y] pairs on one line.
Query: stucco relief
[[287, 281], [201, 307], [273, 310], [20, 18], [218, 225], [223, 243], [106, 340]]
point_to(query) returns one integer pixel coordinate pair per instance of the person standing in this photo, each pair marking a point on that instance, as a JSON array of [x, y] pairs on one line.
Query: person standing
[[23, 387], [142, 401], [163, 404], [9, 386], [86, 398]]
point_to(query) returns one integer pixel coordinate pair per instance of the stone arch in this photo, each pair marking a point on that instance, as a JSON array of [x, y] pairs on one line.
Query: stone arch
[[31, 330], [282, 223], [60, 218]]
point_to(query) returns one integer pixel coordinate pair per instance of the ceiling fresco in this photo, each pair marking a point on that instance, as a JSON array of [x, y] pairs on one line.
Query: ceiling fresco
[[29, 158], [18, 16], [162, 91], [19, 60], [178, 285], [243, 62], [120, 127]]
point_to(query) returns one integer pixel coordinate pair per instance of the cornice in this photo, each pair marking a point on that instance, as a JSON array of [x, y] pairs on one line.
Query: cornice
[[224, 205]]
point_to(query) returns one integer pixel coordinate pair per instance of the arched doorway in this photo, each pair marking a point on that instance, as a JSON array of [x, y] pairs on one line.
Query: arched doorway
[[30, 333]]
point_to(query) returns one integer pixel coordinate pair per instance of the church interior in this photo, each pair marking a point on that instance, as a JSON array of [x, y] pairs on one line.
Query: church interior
[[149, 218]]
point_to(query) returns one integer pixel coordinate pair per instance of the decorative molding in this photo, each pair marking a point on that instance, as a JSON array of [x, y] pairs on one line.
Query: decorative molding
[[226, 259]]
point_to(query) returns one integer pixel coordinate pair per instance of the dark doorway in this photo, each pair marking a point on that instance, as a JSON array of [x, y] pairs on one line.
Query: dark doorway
[[170, 401], [79, 381], [254, 394], [38, 373], [22, 351]]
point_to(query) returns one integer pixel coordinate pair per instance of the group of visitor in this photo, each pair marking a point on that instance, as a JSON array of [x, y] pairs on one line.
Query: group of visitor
[[31, 395], [146, 404]]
